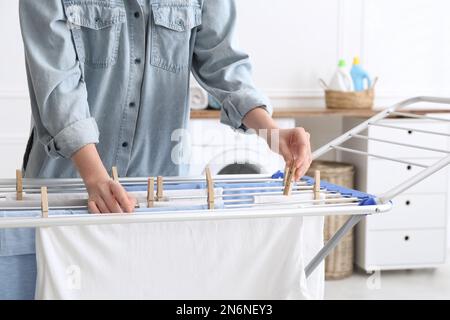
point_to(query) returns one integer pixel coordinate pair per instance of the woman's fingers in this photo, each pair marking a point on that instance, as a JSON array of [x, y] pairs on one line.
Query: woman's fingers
[[302, 170], [92, 207], [296, 150], [301, 149], [108, 196], [133, 201], [285, 151], [109, 204], [304, 166], [101, 205], [110, 201], [298, 141], [122, 197]]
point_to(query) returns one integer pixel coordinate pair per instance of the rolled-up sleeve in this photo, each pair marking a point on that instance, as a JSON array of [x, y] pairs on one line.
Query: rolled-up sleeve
[[222, 69], [57, 90]]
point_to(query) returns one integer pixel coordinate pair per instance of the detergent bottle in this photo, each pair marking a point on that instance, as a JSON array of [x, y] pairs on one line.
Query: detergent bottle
[[359, 76], [341, 80]]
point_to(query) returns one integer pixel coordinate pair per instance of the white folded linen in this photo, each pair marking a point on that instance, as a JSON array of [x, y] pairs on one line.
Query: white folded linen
[[198, 98]]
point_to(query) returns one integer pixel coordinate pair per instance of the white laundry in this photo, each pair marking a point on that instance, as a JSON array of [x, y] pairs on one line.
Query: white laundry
[[181, 198], [227, 259], [172, 198], [276, 200], [198, 99], [312, 238], [312, 241]]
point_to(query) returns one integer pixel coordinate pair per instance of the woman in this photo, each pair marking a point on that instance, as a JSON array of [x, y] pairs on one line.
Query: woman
[[109, 83]]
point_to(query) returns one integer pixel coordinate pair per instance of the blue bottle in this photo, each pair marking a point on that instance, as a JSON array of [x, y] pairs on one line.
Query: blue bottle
[[359, 76]]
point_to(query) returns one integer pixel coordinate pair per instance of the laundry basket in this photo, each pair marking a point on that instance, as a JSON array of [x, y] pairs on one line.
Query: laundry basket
[[339, 264], [349, 100]]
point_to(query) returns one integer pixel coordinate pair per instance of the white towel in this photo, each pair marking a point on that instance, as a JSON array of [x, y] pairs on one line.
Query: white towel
[[312, 238], [230, 259], [198, 96]]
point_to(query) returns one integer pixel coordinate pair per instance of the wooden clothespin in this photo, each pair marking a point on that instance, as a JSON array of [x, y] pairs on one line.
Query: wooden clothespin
[[210, 188], [150, 192], [286, 173], [19, 185], [289, 178], [44, 202], [159, 188], [317, 185], [115, 175]]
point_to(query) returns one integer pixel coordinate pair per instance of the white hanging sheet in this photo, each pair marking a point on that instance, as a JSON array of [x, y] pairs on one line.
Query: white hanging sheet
[[224, 259]]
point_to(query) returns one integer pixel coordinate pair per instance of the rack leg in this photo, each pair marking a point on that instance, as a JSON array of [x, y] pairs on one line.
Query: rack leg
[[332, 243]]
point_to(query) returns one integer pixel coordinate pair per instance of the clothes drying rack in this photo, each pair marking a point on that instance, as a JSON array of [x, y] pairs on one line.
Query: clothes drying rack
[[236, 200]]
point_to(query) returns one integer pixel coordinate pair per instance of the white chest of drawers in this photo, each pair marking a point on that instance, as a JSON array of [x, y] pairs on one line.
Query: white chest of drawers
[[414, 233]]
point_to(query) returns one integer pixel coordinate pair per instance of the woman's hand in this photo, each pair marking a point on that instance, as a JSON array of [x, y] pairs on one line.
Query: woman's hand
[[108, 196], [292, 144], [105, 195], [295, 147]]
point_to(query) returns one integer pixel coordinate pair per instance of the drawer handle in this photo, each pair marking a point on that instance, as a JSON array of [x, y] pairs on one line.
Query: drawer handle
[[410, 132], [406, 238], [408, 202], [409, 167]]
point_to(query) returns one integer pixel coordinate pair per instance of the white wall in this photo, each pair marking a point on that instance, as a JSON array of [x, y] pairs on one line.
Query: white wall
[[294, 42], [14, 109]]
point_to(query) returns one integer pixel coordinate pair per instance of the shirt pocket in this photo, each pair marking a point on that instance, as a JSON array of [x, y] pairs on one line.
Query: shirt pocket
[[172, 29], [96, 27]]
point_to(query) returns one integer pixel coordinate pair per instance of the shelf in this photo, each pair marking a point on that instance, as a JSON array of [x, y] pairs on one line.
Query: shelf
[[311, 112]]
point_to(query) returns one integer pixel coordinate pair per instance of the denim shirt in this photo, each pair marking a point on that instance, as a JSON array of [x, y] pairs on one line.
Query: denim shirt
[[116, 73]]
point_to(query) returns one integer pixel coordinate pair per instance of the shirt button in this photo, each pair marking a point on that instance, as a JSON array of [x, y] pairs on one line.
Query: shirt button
[[125, 144], [136, 15], [132, 104], [137, 61]]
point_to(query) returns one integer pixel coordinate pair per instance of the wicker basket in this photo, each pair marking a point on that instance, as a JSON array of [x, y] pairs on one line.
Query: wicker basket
[[349, 100], [339, 264]]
